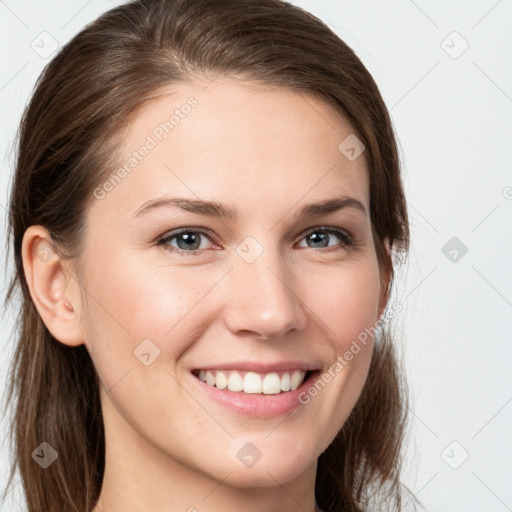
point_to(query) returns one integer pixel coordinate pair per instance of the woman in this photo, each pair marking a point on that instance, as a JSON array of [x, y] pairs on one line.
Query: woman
[[205, 205]]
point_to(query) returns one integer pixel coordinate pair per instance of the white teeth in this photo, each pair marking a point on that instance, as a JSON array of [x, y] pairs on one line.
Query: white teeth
[[296, 380], [285, 382], [210, 379], [220, 380], [235, 382], [252, 382], [272, 384]]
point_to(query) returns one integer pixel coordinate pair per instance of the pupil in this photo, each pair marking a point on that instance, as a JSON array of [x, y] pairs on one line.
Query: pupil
[[189, 239], [316, 238]]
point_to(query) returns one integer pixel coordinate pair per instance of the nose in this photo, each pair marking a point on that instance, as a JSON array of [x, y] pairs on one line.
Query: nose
[[262, 301]]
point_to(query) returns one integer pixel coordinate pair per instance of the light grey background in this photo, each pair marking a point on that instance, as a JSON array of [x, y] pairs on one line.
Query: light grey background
[[452, 110]]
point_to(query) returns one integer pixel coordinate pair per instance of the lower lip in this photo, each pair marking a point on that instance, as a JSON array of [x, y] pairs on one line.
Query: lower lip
[[257, 405]]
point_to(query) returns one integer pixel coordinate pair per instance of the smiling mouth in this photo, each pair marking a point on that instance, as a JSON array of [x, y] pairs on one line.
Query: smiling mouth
[[272, 383]]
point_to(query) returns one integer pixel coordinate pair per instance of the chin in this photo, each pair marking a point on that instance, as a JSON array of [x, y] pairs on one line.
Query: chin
[[269, 471], [270, 475]]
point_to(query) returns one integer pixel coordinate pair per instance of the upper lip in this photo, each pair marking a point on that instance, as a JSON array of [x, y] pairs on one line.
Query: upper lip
[[258, 367]]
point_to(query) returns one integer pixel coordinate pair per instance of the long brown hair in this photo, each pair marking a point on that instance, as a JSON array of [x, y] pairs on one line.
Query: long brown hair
[[67, 144]]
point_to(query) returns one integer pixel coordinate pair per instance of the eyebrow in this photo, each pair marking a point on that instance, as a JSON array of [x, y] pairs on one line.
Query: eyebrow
[[221, 211]]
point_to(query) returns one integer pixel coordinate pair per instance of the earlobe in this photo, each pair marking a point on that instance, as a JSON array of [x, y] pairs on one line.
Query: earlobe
[[50, 286]]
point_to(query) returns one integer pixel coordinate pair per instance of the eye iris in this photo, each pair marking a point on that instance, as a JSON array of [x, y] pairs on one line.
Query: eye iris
[[190, 239], [318, 237]]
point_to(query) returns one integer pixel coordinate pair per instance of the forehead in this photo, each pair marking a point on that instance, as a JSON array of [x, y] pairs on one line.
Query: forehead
[[236, 141]]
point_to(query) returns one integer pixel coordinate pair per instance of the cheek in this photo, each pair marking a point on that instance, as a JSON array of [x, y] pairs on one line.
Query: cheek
[[348, 306], [132, 300], [347, 301]]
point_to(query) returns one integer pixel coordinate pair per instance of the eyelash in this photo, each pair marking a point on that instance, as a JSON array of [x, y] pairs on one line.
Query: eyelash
[[344, 236]]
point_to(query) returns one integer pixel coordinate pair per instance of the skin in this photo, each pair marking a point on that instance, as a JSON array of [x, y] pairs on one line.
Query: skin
[[265, 152]]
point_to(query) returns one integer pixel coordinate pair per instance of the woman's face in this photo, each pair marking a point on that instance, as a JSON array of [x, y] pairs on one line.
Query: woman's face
[[268, 287]]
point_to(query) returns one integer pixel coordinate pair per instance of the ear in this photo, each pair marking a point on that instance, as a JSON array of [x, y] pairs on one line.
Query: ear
[[55, 295], [385, 277]]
